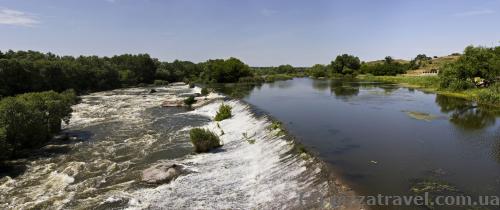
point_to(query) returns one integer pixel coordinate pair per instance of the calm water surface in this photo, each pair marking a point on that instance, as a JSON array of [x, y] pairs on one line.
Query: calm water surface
[[372, 135]]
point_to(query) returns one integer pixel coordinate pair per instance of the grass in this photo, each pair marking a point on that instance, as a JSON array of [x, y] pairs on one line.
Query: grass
[[203, 140], [488, 96], [223, 113]]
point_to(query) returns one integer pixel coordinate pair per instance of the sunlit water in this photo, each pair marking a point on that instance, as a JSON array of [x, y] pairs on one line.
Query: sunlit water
[[117, 134], [375, 137]]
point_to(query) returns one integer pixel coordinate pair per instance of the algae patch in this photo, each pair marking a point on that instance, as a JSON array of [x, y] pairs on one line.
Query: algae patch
[[421, 116]]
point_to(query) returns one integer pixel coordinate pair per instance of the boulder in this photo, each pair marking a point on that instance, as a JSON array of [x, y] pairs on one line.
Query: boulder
[[152, 91], [163, 173]]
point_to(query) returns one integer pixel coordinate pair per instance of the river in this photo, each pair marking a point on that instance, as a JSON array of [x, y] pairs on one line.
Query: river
[[116, 135], [386, 139]]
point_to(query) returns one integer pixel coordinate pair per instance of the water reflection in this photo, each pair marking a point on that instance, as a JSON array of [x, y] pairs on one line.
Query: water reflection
[[344, 89], [238, 91], [466, 114]]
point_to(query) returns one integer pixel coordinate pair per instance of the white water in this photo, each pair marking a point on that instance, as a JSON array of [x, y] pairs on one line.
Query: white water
[[240, 175], [130, 132]]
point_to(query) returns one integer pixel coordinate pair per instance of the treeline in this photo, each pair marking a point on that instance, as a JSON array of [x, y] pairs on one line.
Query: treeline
[[350, 65], [30, 120], [31, 71]]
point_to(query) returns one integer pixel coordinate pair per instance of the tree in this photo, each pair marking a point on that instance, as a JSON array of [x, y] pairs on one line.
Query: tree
[[475, 62], [318, 70], [345, 64]]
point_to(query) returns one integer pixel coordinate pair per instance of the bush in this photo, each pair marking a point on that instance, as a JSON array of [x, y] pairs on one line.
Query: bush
[[160, 82], [204, 91], [223, 113], [203, 140], [189, 101], [490, 95]]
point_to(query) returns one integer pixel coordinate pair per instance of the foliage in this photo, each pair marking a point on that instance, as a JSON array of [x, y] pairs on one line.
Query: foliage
[[489, 95], [30, 71], [189, 101], [388, 67], [30, 120], [345, 64], [318, 70], [419, 61], [476, 62], [224, 71], [223, 113], [204, 91], [160, 82], [203, 140]]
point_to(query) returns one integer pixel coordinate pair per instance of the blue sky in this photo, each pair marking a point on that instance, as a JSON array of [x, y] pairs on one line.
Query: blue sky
[[260, 32]]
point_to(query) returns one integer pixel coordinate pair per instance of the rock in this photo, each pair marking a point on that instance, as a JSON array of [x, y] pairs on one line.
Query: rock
[[152, 91], [177, 84], [163, 173]]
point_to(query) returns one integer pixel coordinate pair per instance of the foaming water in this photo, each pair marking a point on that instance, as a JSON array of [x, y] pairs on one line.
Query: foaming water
[[123, 132], [241, 175]]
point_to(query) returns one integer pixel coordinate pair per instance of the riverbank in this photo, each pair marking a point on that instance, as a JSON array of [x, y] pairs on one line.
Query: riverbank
[[431, 84]]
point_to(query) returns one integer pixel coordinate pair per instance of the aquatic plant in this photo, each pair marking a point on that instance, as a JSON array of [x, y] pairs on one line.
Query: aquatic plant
[[420, 116], [223, 113], [160, 82], [204, 91], [275, 125], [203, 140], [250, 140], [189, 101]]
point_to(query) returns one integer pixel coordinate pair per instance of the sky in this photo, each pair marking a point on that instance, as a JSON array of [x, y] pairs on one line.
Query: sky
[[259, 32]]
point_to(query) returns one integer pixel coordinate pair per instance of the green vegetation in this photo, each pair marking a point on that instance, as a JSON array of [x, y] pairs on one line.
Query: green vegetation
[[28, 121], [345, 65], [477, 67], [474, 75], [204, 91], [421, 116], [189, 101], [160, 82], [250, 140], [388, 67], [223, 113], [203, 140]]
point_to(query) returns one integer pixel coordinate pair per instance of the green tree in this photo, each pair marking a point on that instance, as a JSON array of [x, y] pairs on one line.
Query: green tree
[[345, 64]]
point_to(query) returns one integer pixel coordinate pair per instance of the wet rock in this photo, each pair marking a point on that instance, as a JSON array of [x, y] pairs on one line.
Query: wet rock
[[163, 173], [177, 84], [152, 91]]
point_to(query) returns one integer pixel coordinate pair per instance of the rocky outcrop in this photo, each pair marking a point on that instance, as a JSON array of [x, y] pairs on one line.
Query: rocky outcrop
[[163, 173]]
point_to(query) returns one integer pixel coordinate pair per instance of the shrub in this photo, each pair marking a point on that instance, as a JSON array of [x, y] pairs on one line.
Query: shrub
[[204, 91], [189, 101], [490, 95], [223, 113], [203, 140], [160, 82]]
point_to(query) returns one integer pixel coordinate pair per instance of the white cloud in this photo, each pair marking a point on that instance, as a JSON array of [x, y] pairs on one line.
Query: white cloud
[[474, 13], [18, 18]]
